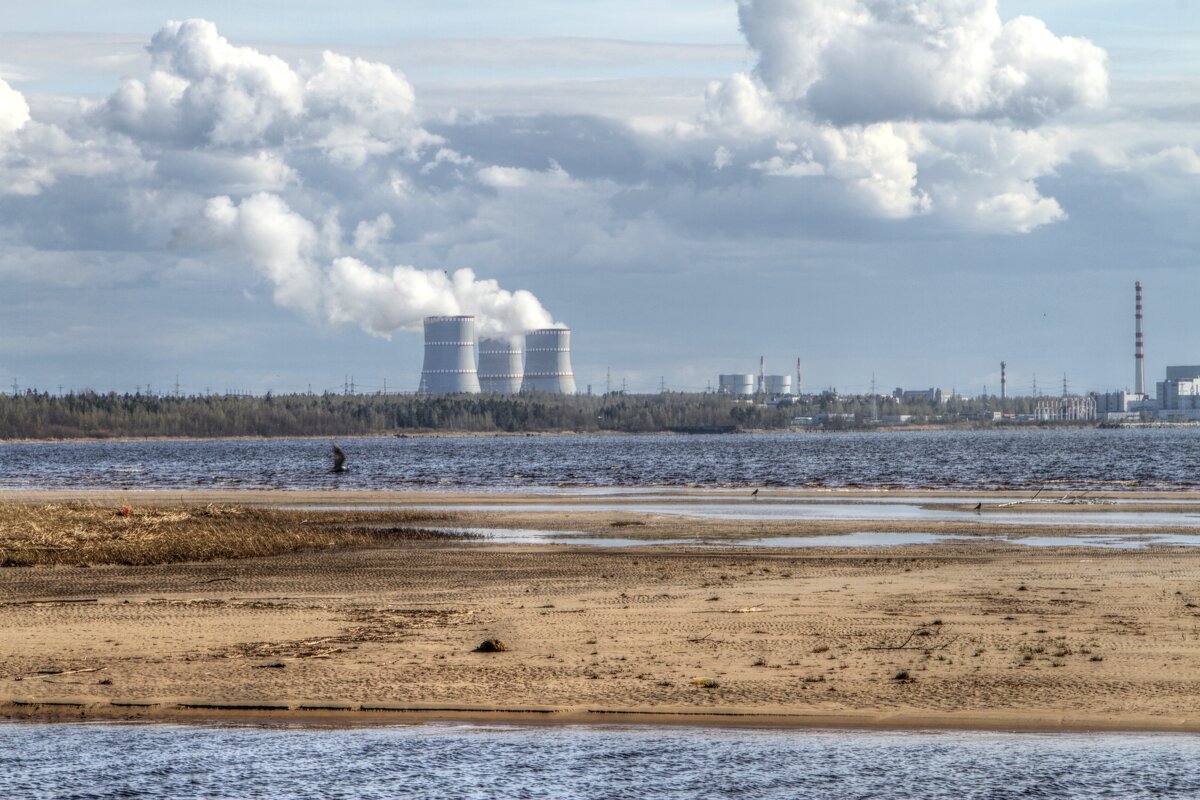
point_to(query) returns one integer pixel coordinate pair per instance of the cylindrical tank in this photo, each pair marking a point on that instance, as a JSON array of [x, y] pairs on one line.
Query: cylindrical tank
[[500, 365], [548, 361], [779, 384], [449, 356], [738, 384]]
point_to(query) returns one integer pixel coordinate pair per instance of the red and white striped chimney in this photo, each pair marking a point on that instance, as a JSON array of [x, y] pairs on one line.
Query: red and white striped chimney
[[1139, 356]]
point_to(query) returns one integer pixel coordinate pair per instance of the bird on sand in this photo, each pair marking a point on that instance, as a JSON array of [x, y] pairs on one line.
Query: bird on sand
[[979, 507], [754, 494], [339, 459]]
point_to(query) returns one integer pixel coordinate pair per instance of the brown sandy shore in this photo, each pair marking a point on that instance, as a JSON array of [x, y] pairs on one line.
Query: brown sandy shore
[[975, 634]]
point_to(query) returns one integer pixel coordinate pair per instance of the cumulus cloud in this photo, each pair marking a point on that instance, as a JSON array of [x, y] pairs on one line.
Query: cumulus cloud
[[203, 90], [14, 111], [308, 275], [280, 242], [928, 107], [856, 109], [742, 106], [865, 61]]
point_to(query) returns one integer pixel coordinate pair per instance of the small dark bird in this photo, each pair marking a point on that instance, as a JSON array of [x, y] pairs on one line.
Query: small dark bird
[[339, 459], [979, 507], [754, 494]]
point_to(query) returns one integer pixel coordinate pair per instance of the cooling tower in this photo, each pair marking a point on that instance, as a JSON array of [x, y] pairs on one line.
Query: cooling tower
[[500, 366], [548, 361], [449, 356]]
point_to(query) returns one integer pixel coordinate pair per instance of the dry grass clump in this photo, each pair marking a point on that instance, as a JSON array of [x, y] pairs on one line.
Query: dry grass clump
[[74, 533]]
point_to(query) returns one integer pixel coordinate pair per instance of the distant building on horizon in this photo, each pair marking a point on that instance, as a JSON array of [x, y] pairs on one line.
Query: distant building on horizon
[[1178, 397], [931, 395], [1065, 409]]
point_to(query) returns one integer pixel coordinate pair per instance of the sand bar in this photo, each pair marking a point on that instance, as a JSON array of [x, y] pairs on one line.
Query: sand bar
[[973, 634]]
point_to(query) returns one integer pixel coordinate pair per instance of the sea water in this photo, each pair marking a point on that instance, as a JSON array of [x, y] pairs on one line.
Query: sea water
[[95, 761], [1066, 460]]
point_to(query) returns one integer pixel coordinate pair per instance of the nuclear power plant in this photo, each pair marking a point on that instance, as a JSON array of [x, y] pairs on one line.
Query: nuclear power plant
[[500, 369], [747, 384], [451, 368], [548, 361]]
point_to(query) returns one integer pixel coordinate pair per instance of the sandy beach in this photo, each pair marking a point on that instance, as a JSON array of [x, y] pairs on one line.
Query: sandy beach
[[975, 633]]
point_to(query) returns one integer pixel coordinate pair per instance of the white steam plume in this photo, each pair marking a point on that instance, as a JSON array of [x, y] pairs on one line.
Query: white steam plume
[[310, 276]]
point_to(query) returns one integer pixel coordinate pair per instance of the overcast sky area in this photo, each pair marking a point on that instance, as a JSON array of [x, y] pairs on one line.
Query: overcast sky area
[[272, 195]]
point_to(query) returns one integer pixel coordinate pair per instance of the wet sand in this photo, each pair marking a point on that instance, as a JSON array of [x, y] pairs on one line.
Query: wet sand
[[987, 634]]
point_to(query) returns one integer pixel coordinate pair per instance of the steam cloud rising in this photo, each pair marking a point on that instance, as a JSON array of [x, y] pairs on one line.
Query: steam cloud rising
[[310, 276]]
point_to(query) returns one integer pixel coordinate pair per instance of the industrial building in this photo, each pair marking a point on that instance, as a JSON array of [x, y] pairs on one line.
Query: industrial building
[[548, 361], [450, 365], [500, 365], [746, 384], [1065, 409], [1175, 399], [1118, 405], [931, 395], [1178, 397], [736, 384], [779, 385]]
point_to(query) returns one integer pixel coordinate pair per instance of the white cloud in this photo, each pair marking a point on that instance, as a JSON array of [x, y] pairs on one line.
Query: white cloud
[[203, 90], [280, 242], [520, 178], [863, 61], [740, 105], [14, 111], [876, 161], [915, 108], [370, 233]]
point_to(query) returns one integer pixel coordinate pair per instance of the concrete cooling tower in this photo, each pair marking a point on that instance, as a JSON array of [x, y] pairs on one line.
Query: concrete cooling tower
[[449, 356], [500, 365], [548, 361]]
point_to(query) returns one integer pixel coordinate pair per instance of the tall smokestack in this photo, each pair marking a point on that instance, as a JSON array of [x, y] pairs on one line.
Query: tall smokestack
[[799, 380], [1003, 381], [762, 374], [500, 366], [548, 361], [449, 356], [1139, 354]]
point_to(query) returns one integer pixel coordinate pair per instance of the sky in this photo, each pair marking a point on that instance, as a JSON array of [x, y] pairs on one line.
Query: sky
[[262, 196]]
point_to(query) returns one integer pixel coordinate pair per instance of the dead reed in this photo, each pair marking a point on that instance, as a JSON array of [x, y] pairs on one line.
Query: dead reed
[[81, 533]]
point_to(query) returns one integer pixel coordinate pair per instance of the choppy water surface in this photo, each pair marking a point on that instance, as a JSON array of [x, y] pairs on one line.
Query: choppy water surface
[[1060, 459], [443, 761]]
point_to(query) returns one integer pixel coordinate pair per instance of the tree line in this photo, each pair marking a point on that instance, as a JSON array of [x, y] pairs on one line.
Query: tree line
[[40, 415]]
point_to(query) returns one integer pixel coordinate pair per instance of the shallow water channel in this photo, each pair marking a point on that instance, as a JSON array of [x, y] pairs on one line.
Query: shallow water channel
[[855, 539]]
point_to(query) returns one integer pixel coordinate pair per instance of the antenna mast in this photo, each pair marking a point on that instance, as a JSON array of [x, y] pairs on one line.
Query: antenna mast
[[1139, 354]]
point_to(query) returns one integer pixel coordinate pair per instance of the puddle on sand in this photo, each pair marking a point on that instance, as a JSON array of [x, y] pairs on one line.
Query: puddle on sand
[[819, 511], [857, 539], [531, 536]]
